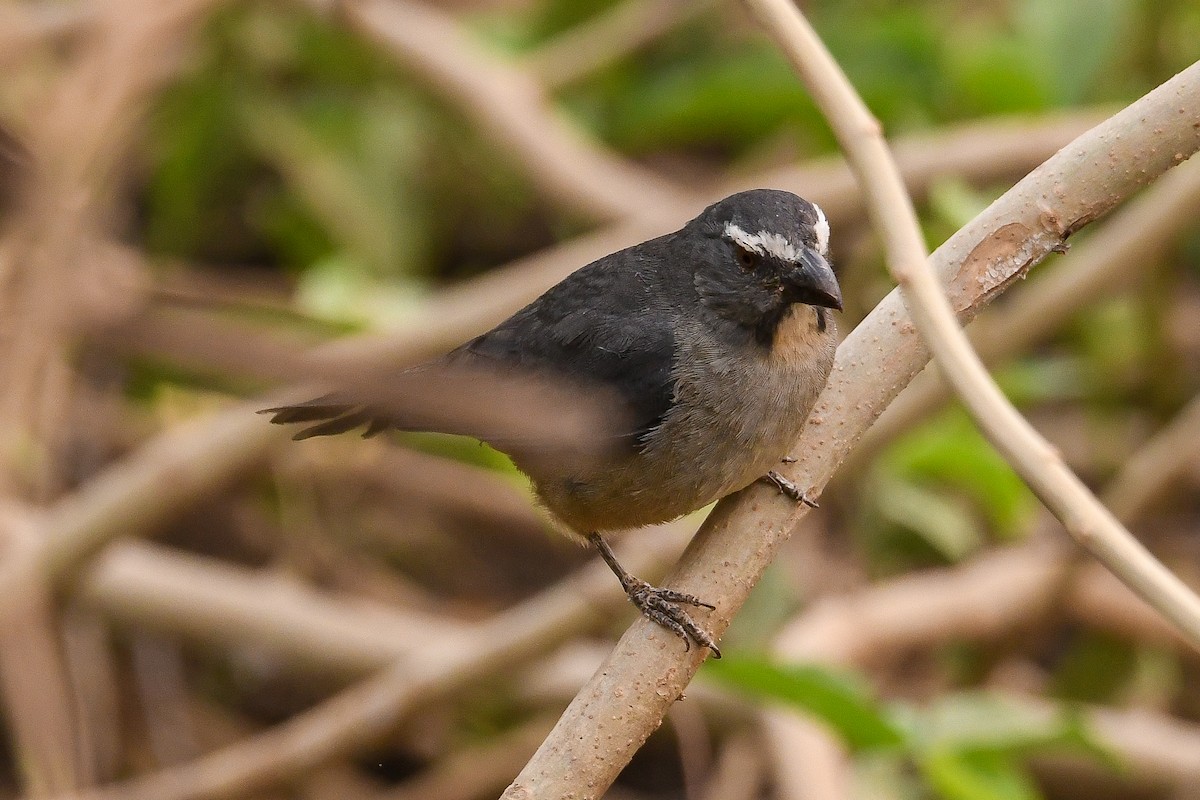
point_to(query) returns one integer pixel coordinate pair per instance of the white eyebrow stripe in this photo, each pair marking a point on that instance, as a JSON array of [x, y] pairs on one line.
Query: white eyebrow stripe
[[821, 228], [763, 243]]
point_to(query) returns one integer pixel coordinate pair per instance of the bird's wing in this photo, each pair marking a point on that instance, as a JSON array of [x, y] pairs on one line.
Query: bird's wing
[[583, 332], [629, 355]]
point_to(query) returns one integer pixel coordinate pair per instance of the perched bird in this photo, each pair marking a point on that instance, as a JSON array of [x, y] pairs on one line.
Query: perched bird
[[714, 341]]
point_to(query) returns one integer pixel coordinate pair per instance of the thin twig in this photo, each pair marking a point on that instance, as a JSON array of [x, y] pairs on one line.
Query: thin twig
[[983, 599], [598, 734], [891, 210], [1101, 266]]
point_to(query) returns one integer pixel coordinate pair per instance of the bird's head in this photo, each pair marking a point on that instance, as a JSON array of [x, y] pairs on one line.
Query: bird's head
[[760, 252]]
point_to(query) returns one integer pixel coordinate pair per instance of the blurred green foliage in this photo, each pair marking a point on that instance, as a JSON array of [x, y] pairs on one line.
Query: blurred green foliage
[[943, 484], [966, 746], [840, 700], [292, 142]]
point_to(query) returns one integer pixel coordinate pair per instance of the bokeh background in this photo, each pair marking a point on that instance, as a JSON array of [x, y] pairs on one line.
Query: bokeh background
[[202, 201]]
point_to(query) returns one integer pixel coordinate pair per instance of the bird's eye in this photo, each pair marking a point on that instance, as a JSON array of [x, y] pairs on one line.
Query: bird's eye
[[746, 259]]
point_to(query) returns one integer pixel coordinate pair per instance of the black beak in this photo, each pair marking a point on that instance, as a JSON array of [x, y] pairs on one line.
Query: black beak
[[812, 282]]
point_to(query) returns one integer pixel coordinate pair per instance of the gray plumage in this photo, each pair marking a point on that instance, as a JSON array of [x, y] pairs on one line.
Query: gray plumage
[[715, 338]]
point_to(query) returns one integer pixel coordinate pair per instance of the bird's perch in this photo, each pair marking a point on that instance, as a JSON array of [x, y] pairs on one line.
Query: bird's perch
[[625, 701]]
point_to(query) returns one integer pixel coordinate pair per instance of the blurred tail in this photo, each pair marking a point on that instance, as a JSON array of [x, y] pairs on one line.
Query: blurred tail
[[333, 416]]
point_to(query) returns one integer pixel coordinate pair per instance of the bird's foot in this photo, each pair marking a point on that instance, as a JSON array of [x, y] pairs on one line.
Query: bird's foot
[[663, 606], [660, 605], [788, 489]]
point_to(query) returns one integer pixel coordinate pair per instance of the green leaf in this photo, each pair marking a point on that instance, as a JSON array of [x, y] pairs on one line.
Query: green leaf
[[977, 776], [951, 453], [980, 722], [944, 521], [836, 699]]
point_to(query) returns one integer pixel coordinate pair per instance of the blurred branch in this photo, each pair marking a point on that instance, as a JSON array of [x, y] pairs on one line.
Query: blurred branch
[[475, 771], [64, 199], [509, 106], [598, 734], [1163, 460], [607, 37], [33, 678], [24, 26], [141, 492], [371, 709], [226, 606], [978, 600]]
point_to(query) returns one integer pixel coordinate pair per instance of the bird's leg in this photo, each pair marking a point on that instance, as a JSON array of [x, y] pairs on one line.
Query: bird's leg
[[788, 489], [659, 605]]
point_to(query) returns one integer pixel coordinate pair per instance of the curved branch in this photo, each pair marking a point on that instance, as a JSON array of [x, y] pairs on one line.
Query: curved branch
[[1098, 268], [891, 210]]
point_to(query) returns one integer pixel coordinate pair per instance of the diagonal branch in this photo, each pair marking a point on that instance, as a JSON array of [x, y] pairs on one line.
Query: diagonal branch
[[603, 727], [1098, 268], [890, 207]]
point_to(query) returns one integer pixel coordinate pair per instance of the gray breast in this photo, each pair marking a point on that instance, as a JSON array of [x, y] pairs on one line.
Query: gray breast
[[737, 411]]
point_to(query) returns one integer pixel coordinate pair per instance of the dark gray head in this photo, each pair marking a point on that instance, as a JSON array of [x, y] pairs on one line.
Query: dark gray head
[[758, 253]]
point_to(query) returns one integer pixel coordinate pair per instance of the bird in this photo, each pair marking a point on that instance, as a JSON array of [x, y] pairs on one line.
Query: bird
[[712, 343]]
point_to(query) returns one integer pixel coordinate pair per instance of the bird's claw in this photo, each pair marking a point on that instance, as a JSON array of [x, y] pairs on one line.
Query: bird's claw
[[789, 489], [663, 607]]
